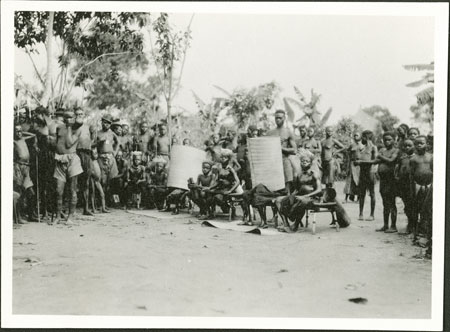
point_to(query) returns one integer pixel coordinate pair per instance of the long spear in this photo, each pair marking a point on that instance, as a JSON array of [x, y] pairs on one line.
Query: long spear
[[37, 188]]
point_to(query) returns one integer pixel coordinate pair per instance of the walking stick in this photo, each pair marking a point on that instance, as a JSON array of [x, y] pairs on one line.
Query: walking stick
[[37, 188]]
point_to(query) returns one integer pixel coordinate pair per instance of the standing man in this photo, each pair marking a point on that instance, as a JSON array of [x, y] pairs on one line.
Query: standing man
[[106, 139], [45, 159], [87, 136], [367, 158], [144, 142], [288, 148], [68, 164], [161, 143], [127, 140]]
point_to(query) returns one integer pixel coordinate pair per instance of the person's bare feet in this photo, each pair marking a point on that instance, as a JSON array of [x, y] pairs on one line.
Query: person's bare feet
[[371, 218], [87, 213], [105, 210], [361, 217], [382, 229], [391, 230]]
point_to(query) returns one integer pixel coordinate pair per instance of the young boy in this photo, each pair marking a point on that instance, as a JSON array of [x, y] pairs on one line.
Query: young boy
[[161, 143], [387, 159], [367, 157], [96, 175], [198, 194], [158, 186], [21, 178], [404, 183], [135, 178], [413, 132], [422, 185], [330, 148]]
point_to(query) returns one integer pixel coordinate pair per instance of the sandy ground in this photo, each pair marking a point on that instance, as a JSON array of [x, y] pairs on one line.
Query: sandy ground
[[126, 264]]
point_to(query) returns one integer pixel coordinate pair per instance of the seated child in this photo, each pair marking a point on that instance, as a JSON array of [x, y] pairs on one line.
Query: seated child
[[96, 185], [175, 197], [157, 189], [197, 190]]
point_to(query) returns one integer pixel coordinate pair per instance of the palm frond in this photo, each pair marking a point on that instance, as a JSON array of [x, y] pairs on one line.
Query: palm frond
[[223, 90], [417, 67], [425, 96], [428, 78]]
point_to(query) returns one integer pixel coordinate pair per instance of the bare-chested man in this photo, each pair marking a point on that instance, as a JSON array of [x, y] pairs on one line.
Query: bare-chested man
[[87, 137], [45, 159], [126, 141], [288, 148], [106, 140], [421, 166], [21, 176], [161, 143], [330, 148], [68, 165], [144, 142]]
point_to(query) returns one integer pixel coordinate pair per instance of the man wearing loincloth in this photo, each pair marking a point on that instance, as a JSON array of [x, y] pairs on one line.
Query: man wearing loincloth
[[22, 183], [421, 165], [106, 139], [68, 165], [84, 151], [291, 166]]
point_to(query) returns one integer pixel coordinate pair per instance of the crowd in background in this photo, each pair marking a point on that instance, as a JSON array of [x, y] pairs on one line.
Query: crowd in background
[[61, 162]]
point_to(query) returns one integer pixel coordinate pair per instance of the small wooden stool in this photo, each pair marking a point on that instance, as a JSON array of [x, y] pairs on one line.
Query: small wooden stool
[[321, 208]]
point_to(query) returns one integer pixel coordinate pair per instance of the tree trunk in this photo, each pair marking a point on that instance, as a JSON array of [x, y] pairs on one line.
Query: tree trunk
[[49, 47]]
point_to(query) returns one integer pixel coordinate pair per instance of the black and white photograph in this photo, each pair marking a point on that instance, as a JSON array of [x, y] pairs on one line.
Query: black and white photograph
[[223, 165]]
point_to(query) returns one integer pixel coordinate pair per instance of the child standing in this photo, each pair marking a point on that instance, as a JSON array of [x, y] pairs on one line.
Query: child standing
[[404, 182], [422, 185], [367, 157], [387, 159], [135, 178]]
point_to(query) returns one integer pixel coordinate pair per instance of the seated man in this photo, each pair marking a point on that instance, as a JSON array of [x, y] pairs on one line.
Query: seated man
[[227, 182], [135, 178], [157, 188]]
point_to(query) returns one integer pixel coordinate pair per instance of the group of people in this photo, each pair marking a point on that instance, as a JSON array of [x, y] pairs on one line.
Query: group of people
[[118, 168]]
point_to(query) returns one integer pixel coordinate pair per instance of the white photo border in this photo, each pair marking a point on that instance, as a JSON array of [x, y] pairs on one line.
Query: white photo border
[[437, 10]]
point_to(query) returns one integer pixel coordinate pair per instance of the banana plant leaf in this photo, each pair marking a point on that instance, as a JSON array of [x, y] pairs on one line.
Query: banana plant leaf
[[290, 112], [326, 117], [299, 94], [200, 103], [223, 90]]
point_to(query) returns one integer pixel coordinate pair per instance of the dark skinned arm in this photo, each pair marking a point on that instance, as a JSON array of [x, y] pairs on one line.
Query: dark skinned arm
[[341, 147], [236, 181]]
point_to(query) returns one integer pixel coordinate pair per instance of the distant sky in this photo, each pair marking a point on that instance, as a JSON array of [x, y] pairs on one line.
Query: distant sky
[[351, 61]]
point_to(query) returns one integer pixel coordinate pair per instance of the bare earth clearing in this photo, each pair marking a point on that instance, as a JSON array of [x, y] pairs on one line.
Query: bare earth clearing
[[125, 264]]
